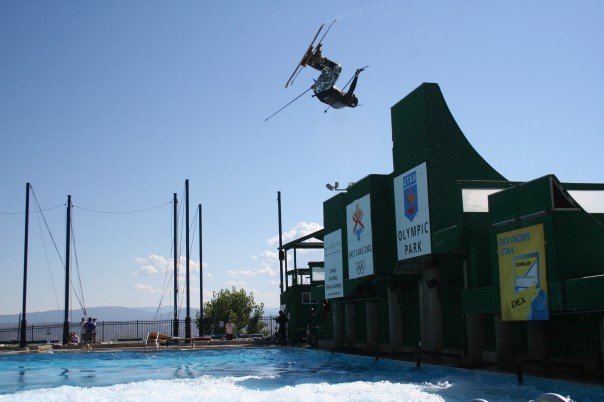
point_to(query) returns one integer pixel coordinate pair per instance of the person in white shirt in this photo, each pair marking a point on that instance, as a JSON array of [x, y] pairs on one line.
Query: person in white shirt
[[82, 329], [229, 329]]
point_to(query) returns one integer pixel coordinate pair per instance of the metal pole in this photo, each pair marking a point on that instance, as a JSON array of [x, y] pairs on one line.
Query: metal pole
[[188, 318], [201, 329], [280, 241], [295, 268], [285, 269], [67, 258], [175, 322], [22, 340]]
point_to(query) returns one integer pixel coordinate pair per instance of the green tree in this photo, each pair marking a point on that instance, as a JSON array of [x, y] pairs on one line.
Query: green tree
[[236, 306], [255, 324]]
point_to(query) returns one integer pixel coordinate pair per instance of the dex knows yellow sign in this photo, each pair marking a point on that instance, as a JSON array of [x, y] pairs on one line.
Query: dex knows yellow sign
[[522, 274]]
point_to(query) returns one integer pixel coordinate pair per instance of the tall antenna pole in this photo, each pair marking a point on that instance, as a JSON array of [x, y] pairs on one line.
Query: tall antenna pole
[[67, 258], [201, 329], [22, 340], [175, 323], [281, 256], [188, 318]]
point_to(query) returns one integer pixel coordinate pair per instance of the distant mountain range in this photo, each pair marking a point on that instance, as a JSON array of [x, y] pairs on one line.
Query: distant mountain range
[[108, 313]]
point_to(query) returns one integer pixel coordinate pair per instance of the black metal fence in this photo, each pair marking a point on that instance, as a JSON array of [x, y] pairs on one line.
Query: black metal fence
[[109, 330]]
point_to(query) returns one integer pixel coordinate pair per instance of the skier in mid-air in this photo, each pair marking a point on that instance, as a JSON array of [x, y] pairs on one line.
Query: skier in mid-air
[[324, 87]]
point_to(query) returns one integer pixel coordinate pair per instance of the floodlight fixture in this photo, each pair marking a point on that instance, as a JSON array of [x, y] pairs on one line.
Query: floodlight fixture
[[334, 187]]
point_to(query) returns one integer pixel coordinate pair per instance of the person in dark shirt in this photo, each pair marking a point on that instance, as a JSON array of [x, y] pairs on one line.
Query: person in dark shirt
[[94, 330], [324, 88], [282, 320], [311, 328], [90, 328]]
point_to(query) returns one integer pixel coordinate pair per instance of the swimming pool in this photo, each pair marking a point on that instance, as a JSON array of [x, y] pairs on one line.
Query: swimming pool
[[259, 374]]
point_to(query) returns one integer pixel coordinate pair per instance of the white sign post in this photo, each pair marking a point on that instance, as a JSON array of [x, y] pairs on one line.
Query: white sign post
[[360, 238], [412, 213], [334, 272]]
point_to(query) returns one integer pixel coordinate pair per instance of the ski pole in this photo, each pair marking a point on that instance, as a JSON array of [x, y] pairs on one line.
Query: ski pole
[[292, 101]]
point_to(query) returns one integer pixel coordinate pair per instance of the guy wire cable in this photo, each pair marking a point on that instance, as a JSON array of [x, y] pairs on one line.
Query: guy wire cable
[[47, 227], [77, 263], [48, 262], [31, 212], [122, 212]]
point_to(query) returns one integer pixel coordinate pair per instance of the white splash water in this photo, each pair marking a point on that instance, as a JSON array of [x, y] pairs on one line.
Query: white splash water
[[229, 389], [260, 374]]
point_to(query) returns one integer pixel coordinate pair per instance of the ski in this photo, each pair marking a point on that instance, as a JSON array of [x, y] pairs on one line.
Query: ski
[[326, 31], [309, 52], [305, 57]]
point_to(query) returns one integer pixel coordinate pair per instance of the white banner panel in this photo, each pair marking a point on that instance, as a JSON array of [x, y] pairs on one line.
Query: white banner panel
[[360, 238], [334, 272], [412, 213]]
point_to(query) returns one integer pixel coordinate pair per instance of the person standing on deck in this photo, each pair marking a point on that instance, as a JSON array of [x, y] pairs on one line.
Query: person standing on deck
[[90, 328], [82, 329], [229, 329], [94, 331], [282, 320]]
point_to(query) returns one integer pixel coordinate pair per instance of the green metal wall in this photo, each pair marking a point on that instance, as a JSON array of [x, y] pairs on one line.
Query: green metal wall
[[519, 337], [383, 311], [360, 317], [333, 219], [481, 300], [580, 244], [298, 312], [450, 287], [480, 264], [490, 339], [521, 200], [326, 328], [423, 130], [574, 335], [408, 297], [584, 294]]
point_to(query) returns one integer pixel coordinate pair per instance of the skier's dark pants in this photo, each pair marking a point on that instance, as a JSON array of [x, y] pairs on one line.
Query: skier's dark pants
[[325, 89]]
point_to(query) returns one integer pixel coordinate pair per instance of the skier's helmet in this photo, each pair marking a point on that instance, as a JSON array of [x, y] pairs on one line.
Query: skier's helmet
[[354, 101]]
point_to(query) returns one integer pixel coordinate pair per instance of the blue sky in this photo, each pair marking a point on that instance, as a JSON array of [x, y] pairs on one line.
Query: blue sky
[[117, 103]]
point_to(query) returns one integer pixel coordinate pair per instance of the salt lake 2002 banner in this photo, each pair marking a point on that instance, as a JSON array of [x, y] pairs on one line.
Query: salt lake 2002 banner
[[360, 238], [522, 274]]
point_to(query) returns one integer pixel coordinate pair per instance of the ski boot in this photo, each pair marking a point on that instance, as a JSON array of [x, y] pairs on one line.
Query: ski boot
[[313, 58]]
